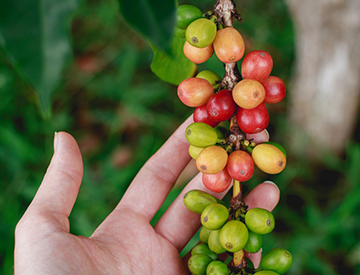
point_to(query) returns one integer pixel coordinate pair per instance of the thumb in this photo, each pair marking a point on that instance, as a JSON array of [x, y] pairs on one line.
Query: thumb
[[61, 183]]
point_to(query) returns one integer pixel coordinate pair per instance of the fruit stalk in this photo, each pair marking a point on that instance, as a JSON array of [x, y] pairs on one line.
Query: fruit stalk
[[225, 10], [238, 263]]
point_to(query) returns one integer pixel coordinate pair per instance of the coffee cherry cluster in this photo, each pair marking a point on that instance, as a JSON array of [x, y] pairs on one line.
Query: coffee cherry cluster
[[219, 234], [228, 140], [222, 155]]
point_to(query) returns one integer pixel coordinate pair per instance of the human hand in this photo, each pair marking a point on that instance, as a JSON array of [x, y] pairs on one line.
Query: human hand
[[125, 242]]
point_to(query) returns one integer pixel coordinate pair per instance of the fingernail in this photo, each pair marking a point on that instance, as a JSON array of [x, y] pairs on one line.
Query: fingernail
[[273, 183], [55, 141]]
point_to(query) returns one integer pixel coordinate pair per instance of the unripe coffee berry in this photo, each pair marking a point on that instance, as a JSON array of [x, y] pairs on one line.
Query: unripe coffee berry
[[204, 234], [203, 249], [200, 134], [217, 268], [185, 14], [201, 33], [214, 242], [234, 235], [259, 220], [214, 216], [266, 272], [254, 242], [198, 263], [197, 200], [278, 260]]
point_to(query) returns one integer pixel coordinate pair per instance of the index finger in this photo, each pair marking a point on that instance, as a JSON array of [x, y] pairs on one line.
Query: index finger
[[153, 183]]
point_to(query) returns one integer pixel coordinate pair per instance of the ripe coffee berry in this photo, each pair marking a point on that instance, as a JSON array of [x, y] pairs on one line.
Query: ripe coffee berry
[[218, 182], [221, 106], [253, 121], [274, 88], [256, 65], [201, 115], [240, 165]]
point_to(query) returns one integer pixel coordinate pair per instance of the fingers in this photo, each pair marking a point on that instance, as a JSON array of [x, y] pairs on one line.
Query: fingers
[[179, 224], [153, 183], [254, 257], [59, 188], [265, 195]]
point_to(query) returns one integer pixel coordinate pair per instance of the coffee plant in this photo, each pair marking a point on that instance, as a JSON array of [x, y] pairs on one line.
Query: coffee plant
[[228, 139]]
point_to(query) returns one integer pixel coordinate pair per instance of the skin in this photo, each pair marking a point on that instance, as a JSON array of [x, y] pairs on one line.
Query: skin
[[125, 242]]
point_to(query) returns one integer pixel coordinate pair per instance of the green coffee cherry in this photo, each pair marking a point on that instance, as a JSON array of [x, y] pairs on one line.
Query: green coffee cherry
[[200, 134], [198, 263], [254, 242], [185, 14], [213, 78], [217, 268], [233, 236], [197, 200], [195, 151], [203, 249], [214, 242], [204, 234], [201, 33], [278, 260], [179, 32], [214, 216], [266, 272], [259, 220]]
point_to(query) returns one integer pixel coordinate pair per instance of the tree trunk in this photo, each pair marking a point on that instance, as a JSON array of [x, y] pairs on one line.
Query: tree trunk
[[324, 95]]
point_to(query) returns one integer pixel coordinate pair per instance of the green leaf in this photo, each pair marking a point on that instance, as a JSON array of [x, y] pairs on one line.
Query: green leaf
[[154, 19], [174, 67], [35, 38]]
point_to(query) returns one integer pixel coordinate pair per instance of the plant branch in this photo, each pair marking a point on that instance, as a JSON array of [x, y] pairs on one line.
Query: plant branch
[[225, 11]]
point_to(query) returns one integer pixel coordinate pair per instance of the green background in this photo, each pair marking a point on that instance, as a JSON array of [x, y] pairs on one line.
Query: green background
[[120, 113]]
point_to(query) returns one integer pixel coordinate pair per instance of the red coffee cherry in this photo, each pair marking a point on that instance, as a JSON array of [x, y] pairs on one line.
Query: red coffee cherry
[[201, 115], [274, 89], [240, 165], [221, 106], [256, 65], [218, 182], [253, 121]]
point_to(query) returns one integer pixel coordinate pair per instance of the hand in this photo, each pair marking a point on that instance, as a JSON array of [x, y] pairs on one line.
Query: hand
[[125, 243]]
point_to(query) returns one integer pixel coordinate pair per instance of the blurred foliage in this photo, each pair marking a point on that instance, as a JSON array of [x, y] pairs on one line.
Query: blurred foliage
[[121, 113], [154, 19], [38, 45]]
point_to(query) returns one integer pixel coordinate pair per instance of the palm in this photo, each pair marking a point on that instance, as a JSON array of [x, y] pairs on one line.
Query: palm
[[125, 243]]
